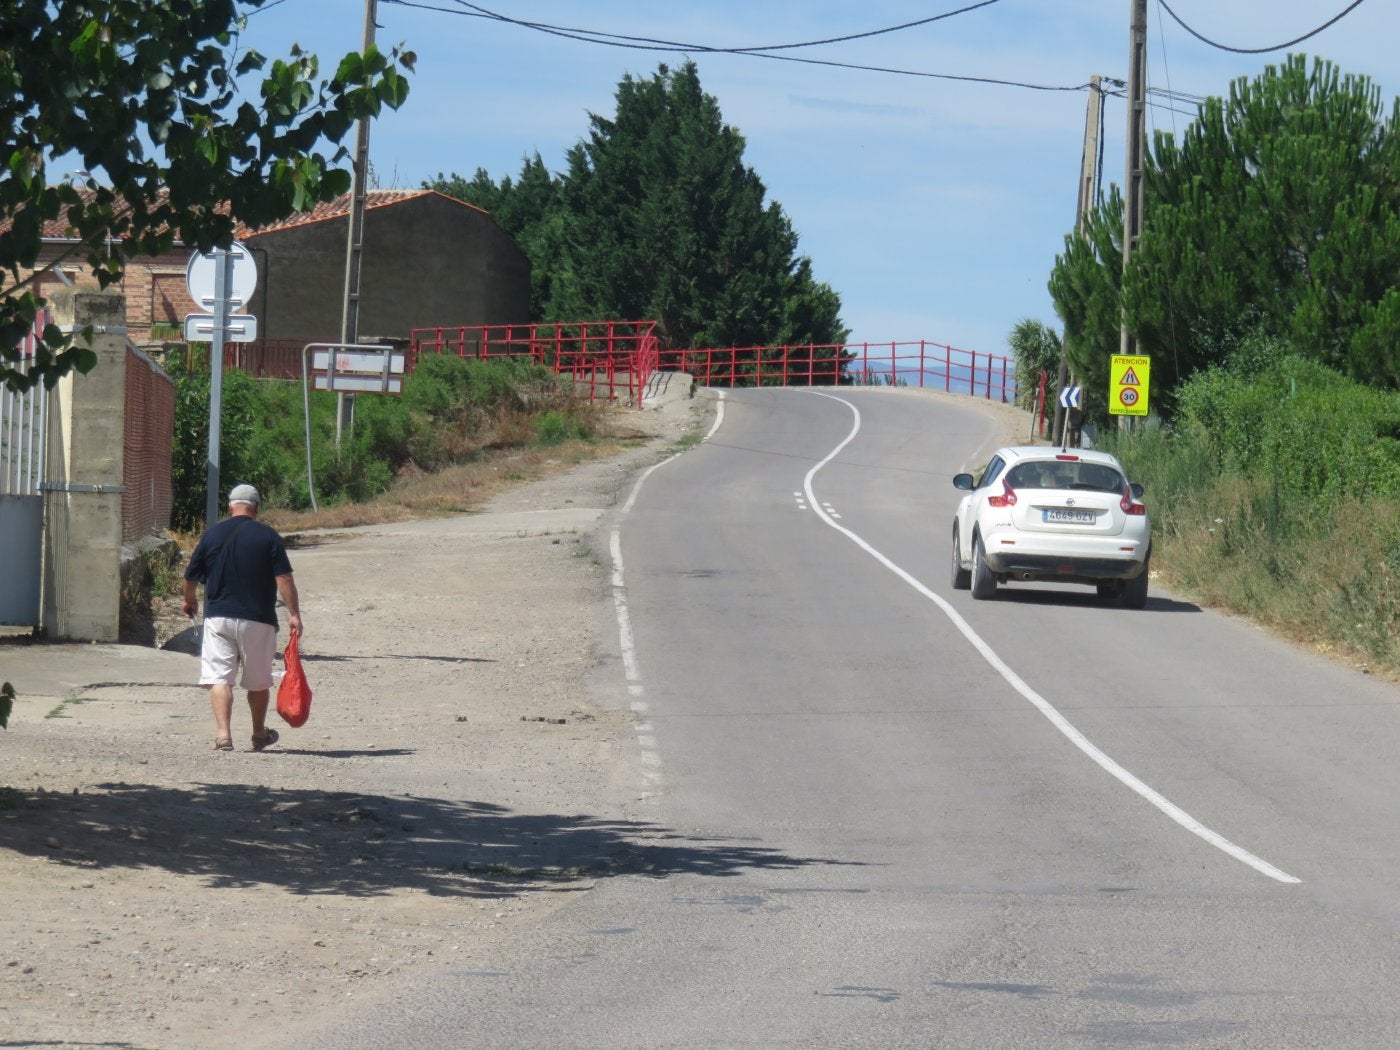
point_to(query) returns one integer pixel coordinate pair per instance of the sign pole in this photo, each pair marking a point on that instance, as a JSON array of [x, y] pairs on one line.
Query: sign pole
[[223, 280]]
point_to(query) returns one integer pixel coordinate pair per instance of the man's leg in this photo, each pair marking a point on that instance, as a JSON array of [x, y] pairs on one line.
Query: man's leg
[[257, 707], [221, 700], [218, 669]]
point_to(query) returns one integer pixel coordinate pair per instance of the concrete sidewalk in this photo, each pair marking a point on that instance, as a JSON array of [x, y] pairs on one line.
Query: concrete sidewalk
[[44, 674]]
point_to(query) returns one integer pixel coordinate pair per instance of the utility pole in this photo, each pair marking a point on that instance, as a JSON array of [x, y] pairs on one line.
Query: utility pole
[[354, 247], [1088, 194], [1137, 146]]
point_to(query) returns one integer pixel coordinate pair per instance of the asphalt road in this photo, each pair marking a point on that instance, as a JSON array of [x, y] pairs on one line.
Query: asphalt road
[[882, 814]]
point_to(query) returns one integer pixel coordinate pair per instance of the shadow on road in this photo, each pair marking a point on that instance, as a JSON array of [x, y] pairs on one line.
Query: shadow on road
[[358, 845], [1029, 594]]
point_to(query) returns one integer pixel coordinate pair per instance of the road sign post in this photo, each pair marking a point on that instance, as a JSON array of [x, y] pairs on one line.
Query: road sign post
[[346, 368], [221, 279]]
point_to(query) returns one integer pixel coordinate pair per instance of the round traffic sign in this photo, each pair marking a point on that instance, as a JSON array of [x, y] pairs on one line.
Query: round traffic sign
[[1128, 395], [199, 276]]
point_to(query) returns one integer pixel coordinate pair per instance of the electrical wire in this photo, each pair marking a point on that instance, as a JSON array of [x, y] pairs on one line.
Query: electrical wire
[[647, 44], [1259, 50], [601, 36], [1166, 68]]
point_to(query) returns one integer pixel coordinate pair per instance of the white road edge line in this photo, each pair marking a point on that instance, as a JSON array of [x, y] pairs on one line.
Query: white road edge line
[[624, 619], [1058, 720]]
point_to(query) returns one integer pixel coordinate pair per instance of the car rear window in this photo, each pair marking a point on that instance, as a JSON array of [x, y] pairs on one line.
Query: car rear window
[[1064, 474]]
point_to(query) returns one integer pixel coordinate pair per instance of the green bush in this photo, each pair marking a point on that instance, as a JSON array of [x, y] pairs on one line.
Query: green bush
[[1319, 436], [446, 404], [1277, 494], [554, 427]]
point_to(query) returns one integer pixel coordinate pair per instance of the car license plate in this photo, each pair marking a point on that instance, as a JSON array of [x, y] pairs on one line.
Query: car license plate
[[1066, 516]]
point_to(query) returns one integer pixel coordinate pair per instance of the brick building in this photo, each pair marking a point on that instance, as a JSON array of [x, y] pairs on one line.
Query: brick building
[[428, 259]]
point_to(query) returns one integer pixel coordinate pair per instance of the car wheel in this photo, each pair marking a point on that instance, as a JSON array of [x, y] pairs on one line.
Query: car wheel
[[962, 578], [1134, 595], [984, 581]]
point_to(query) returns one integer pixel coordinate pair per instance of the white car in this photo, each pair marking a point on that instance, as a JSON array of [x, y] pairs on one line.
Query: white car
[[1052, 514]]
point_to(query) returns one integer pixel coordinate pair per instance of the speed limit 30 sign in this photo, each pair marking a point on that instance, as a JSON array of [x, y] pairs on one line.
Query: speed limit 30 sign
[[1128, 382]]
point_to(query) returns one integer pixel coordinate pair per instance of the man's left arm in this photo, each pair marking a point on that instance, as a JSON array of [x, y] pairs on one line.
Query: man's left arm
[[287, 589]]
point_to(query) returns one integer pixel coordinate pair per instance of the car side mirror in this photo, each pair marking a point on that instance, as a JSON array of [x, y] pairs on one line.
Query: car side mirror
[[1135, 489], [962, 481]]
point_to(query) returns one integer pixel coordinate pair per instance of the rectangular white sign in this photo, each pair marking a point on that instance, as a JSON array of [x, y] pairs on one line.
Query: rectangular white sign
[[358, 384], [363, 361], [239, 328]]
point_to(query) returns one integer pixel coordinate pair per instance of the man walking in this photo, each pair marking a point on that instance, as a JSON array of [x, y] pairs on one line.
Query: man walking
[[244, 567]]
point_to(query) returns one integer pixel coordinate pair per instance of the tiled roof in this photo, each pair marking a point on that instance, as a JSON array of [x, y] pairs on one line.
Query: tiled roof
[[58, 229], [341, 206]]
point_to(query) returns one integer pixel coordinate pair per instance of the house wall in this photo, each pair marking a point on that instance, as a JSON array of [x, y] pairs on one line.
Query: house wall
[[427, 261], [154, 289]]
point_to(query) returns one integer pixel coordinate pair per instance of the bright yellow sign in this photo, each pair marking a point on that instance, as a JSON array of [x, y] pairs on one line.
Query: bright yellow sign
[[1128, 380]]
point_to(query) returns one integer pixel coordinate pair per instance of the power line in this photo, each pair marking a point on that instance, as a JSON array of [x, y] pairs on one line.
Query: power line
[[874, 32], [648, 44], [1259, 50], [603, 37]]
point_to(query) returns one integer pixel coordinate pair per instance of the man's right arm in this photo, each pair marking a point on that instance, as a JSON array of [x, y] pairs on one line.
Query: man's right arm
[[190, 605], [194, 576]]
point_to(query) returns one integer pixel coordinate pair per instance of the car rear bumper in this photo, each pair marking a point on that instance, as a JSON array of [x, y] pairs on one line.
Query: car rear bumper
[[1070, 570], [1090, 560]]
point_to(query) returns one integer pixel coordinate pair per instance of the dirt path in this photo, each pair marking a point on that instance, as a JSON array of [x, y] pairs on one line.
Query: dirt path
[[454, 783]]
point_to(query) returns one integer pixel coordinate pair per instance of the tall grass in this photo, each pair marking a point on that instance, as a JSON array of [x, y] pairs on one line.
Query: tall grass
[[451, 413], [1282, 503]]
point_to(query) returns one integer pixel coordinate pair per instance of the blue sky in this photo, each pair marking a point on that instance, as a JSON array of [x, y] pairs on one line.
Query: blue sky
[[934, 207]]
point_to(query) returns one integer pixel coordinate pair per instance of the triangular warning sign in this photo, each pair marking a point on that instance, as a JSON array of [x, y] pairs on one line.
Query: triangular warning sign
[[1129, 378]]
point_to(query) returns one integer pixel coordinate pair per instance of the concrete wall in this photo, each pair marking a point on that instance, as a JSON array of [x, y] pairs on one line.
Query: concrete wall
[[82, 549], [427, 260]]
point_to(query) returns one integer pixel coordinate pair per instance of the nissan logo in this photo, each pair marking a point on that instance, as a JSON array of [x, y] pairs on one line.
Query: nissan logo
[[1069, 503]]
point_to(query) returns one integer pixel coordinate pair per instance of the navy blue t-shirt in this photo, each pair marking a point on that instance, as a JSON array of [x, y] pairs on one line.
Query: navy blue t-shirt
[[240, 582]]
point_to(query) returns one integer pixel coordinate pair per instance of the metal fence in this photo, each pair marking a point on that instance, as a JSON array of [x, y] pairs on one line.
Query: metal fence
[[615, 359], [149, 428], [23, 417]]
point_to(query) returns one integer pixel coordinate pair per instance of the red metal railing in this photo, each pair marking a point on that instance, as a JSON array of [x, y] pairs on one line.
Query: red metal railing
[[262, 358], [936, 366], [616, 359], [606, 356], [921, 364]]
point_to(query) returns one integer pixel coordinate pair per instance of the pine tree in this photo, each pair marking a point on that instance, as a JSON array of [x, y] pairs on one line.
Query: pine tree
[[658, 218], [1277, 215]]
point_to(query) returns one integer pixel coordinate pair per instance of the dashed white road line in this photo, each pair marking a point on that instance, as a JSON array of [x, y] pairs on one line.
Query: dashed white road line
[[1058, 720], [646, 738]]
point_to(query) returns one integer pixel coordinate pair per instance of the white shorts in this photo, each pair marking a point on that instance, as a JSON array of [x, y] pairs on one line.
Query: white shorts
[[229, 643]]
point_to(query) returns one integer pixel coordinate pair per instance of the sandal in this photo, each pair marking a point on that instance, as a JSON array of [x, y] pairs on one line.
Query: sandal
[[223, 743], [263, 741]]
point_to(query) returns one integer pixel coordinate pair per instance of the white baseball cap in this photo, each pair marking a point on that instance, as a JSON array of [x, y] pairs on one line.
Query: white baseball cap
[[245, 494]]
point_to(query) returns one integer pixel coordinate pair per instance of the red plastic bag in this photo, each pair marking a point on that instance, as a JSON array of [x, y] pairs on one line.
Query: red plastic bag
[[294, 694]]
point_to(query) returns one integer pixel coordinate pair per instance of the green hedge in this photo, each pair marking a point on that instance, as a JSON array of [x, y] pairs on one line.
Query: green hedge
[[445, 403], [1318, 436]]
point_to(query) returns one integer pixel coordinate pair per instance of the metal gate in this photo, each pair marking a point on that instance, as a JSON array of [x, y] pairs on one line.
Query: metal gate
[[23, 423]]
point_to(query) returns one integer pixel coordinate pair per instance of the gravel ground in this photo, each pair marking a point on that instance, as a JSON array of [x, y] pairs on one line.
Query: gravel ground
[[454, 782]]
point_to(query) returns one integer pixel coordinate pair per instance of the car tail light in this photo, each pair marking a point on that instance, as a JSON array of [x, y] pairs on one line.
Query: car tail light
[[1131, 506], [1007, 497]]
